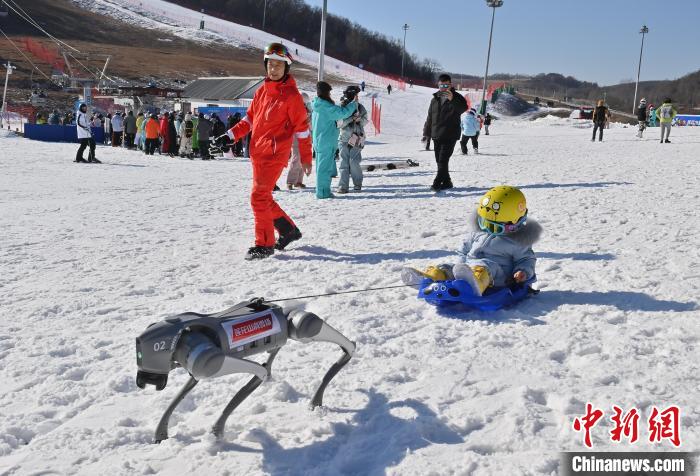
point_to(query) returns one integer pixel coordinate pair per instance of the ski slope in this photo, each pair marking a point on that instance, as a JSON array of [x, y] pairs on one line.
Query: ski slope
[[183, 22], [92, 254]]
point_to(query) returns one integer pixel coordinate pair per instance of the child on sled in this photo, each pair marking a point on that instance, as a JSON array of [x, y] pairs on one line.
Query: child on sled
[[498, 248]]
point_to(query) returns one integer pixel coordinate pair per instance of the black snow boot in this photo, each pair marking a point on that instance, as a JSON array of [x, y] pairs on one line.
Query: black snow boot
[[259, 252], [287, 233], [81, 160], [94, 160], [285, 239]]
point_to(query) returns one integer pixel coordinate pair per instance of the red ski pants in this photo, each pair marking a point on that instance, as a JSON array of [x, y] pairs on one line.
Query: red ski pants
[[265, 210]]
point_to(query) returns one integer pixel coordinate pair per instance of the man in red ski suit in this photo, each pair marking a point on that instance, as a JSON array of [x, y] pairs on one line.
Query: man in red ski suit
[[276, 115]]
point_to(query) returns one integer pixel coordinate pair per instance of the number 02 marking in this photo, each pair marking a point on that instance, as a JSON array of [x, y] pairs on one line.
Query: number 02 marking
[[158, 346]]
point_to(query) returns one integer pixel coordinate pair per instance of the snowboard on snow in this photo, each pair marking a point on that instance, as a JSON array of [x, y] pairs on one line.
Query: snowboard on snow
[[390, 165]]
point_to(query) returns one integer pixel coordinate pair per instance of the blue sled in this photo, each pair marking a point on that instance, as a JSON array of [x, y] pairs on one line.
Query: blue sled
[[452, 292]]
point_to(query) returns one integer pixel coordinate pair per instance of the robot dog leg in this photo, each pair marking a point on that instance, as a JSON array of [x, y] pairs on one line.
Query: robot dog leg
[[213, 345]]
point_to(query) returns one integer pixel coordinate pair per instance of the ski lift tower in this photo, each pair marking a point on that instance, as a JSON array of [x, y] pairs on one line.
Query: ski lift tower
[[3, 110], [79, 64]]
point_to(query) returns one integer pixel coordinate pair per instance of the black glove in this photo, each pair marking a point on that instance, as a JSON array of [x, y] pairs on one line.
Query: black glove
[[223, 142]]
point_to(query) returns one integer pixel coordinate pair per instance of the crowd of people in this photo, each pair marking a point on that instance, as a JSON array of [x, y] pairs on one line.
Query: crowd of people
[[168, 133]]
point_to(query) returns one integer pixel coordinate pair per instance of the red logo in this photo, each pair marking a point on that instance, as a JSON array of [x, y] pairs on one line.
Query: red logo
[[246, 329], [662, 424]]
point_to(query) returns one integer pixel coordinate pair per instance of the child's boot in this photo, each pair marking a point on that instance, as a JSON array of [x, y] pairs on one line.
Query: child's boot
[[413, 276], [478, 277]]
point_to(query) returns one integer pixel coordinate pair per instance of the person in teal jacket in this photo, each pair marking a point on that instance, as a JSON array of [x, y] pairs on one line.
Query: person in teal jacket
[[325, 135]]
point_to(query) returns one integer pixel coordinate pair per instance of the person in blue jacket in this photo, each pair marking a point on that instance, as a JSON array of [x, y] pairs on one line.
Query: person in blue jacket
[[325, 135], [470, 130]]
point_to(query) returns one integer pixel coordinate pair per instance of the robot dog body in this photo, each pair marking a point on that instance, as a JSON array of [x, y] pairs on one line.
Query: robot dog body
[[213, 345]]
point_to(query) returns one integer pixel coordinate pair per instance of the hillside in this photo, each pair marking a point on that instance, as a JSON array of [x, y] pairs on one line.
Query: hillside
[[138, 54]]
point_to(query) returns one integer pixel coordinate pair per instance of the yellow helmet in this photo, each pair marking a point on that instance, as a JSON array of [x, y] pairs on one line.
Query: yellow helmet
[[502, 209]]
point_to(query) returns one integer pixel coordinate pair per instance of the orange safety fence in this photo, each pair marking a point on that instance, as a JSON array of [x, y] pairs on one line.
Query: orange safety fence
[[44, 53], [376, 117]]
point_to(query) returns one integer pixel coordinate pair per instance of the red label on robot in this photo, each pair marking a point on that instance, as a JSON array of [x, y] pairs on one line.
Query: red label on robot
[[253, 327]]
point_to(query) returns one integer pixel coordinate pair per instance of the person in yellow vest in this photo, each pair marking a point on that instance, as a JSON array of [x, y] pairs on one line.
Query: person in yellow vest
[[665, 114]]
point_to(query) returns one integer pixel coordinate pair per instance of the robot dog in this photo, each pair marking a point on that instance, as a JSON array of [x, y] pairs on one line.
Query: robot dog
[[212, 345]]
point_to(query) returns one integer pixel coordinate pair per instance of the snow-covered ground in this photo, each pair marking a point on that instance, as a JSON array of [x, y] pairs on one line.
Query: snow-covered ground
[[91, 254]]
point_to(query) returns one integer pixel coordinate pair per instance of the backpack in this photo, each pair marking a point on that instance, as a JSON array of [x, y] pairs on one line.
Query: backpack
[[189, 128]]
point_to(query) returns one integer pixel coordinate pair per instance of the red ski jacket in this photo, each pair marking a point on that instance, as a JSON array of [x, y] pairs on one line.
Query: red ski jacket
[[276, 115]]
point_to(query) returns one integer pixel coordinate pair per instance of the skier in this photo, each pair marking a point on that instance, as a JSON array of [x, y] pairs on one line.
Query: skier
[[642, 116], [54, 118], [108, 129], [172, 135], [443, 126], [666, 112], [82, 125], [498, 249], [140, 137], [117, 129], [325, 136], [203, 132], [186, 132], [163, 133], [295, 175], [487, 123], [600, 117], [362, 86], [275, 116], [652, 116], [470, 130], [388, 89], [130, 130], [152, 130], [351, 142]]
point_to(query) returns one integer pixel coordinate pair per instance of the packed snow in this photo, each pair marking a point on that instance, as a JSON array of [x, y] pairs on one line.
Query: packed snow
[[92, 254]]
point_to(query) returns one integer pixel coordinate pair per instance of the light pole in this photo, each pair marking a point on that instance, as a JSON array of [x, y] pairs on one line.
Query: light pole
[[403, 52], [643, 31], [9, 68], [493, 4], [264, 14], [322, 48]]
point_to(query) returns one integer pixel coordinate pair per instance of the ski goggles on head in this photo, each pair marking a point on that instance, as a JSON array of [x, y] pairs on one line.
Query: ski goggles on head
[[279, 52], [498, 228]]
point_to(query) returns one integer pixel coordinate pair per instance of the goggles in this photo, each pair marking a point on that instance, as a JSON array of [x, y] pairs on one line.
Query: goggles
[[444, 86], [278, 51], [498, 228]]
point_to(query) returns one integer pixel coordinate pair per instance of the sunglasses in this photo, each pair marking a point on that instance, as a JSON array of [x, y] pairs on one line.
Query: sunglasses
[[444, 86], [497, 228]]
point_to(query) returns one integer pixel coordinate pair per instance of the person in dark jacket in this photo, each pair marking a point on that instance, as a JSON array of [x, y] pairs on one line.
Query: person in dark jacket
[[238, 146], [642, 116], [203, 134], [218, 127], [172, 136], [443, 126], [600, 117], [487, 123], [129, 130]]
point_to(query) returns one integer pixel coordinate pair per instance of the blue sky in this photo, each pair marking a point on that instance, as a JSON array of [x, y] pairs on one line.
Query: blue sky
[[592, 40]]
